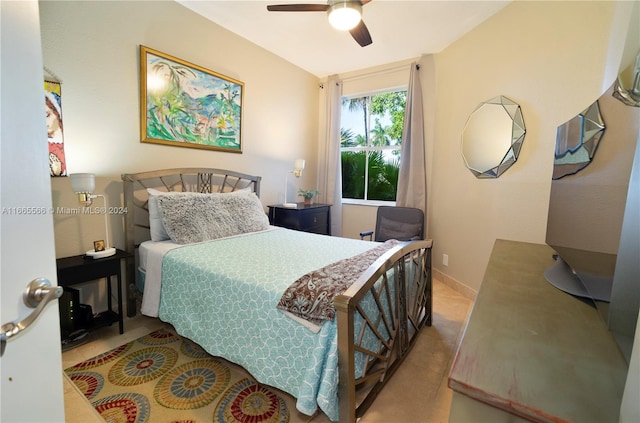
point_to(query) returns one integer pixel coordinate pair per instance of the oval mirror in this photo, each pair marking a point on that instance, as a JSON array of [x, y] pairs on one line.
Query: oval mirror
[[492, 137], [577, 141]]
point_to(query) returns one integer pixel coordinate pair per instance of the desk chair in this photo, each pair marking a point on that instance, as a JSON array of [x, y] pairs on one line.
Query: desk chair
[[401, 223]]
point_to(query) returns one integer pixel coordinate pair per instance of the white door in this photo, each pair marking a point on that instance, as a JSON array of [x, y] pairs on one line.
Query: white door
[[30, 368]]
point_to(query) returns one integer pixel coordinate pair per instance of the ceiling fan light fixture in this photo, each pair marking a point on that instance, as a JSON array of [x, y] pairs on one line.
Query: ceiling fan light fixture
[[345, 15]]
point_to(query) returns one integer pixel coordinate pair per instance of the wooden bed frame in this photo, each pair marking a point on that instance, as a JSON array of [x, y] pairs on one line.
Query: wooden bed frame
[[413, 302]]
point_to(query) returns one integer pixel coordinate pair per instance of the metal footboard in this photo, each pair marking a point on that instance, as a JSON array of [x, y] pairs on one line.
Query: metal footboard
[[379, 318]]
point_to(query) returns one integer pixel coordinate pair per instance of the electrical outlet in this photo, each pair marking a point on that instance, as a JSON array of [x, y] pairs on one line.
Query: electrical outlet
[[445, 259]]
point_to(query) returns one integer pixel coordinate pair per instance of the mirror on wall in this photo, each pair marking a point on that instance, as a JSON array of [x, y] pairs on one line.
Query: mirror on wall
[[627, 86], [492, 137], [577, 141], [592, 209]]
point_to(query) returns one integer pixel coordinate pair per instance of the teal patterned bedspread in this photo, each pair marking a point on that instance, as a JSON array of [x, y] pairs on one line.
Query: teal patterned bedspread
[[223, 294]]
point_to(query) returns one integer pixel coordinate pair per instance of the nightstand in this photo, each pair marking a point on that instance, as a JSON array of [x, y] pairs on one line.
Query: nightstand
[[314, 218], [80, 269]]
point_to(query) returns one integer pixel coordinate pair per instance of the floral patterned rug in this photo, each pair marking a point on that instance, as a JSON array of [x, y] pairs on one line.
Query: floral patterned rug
[[164, 377]]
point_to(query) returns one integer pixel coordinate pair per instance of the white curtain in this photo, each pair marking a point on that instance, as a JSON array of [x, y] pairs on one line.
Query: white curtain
[[412, 179], [329, 163]]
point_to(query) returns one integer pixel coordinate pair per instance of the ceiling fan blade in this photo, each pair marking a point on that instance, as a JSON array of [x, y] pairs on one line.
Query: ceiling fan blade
[[361, 34], [298, 8]]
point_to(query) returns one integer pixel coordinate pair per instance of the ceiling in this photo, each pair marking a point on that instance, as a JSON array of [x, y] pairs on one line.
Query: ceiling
[[400, 30]]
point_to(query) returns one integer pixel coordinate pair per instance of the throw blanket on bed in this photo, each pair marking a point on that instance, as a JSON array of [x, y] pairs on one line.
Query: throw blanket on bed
[[311, 296]]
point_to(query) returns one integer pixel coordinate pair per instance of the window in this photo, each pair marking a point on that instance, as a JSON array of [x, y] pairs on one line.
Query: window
[[371, 136]]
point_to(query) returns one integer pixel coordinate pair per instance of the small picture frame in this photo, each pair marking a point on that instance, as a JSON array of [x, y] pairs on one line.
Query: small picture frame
[[98, 245]]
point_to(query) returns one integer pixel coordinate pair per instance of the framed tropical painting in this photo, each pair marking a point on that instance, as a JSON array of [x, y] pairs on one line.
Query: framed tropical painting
[[186, 105]]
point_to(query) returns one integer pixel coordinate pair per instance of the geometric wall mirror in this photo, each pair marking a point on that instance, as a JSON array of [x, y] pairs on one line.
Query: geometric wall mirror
[[492, 137], [577, 141], [627, 85]]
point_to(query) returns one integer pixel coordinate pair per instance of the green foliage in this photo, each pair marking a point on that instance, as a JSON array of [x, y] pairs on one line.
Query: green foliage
[[307, 193], [353, 167], [362, 104], [382, 175], [380, 135], [395, 104], [346, 138], [383, 178]]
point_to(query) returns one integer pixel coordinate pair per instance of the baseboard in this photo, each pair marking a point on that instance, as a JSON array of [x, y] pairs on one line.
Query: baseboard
[[454, 284]]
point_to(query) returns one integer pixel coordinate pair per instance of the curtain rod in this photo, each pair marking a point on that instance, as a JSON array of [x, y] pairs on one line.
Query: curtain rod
[[378, 72]]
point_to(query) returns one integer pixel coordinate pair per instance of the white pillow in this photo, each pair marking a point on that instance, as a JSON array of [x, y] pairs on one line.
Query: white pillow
[[156, 227]]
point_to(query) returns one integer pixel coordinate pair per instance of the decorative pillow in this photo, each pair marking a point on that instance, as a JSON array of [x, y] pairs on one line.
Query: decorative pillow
[[402, 231], [192, 217]]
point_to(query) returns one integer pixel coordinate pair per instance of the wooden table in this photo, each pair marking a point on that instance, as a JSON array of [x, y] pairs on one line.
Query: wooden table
[[532, 350], [314, 218], [80, 269]]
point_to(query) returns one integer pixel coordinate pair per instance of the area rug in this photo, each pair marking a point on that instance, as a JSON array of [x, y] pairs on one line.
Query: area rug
[[162, 377]]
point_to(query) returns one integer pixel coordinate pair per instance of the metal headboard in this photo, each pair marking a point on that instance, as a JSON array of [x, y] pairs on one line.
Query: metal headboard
[[136, 202]]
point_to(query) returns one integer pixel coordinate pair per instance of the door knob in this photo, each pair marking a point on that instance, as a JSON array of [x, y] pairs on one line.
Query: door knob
[[38, 294]]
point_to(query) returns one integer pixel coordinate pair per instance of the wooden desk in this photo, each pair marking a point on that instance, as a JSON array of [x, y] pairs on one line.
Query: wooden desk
[[532, 350]]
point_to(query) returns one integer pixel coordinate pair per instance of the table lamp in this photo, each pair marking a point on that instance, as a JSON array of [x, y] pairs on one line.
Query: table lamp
[[83, 184]]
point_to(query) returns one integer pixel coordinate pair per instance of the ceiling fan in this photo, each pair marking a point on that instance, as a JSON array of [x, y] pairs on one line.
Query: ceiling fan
[[345, 15]]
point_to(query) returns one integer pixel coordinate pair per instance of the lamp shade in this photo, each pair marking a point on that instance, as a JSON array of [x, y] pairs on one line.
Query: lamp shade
[[345, 15], [83, 182], [298, 164]]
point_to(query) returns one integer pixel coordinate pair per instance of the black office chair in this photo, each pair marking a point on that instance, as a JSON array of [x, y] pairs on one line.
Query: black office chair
[[401, 223]]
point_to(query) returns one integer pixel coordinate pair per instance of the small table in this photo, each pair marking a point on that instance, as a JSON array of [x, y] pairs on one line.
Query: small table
[[314, 218], [79, 269]]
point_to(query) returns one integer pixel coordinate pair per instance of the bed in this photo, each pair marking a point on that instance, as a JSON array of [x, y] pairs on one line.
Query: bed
[[239, 292]]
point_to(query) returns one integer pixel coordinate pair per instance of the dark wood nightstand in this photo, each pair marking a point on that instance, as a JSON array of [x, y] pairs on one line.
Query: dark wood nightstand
[[80, 269], [314, 218]]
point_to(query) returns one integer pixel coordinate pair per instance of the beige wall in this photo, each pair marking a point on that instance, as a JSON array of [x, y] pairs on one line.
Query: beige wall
[[552, 58], [93, 48], [532, 52]]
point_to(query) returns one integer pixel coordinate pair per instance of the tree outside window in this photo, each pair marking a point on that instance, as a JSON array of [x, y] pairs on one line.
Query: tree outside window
[[370, 141]]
